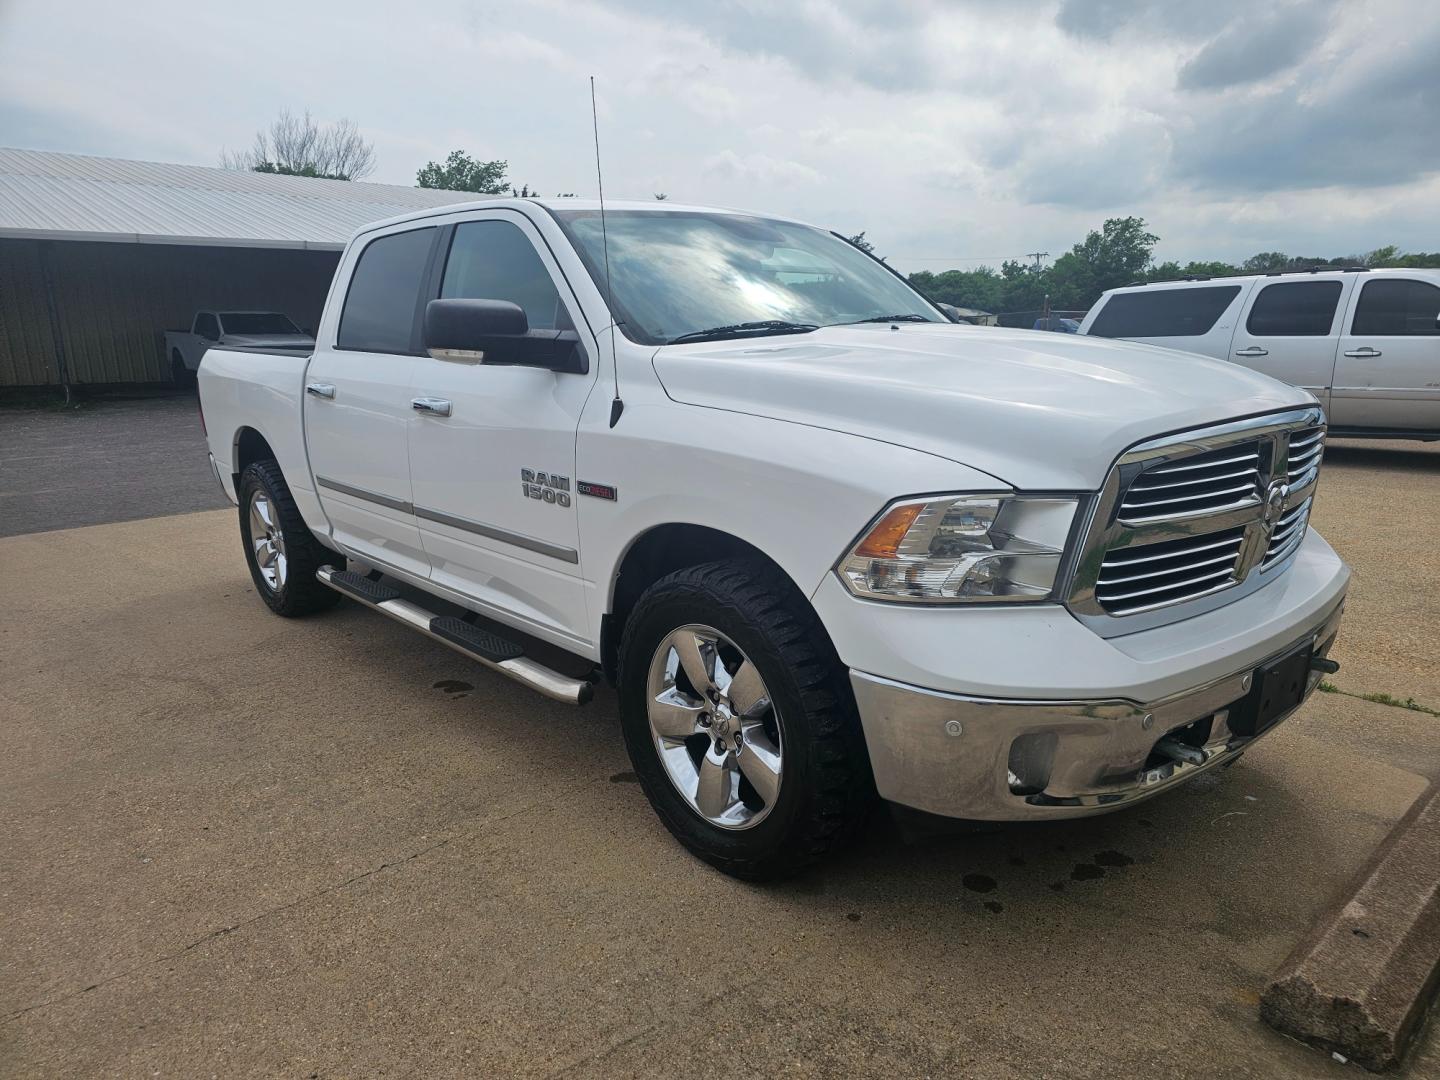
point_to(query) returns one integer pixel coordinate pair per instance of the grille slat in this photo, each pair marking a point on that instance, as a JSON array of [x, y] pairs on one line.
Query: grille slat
[[1165, 470], [1186, 585], [1202, 483], [1136, 579], [1306, 450], [1289, 531], [1228, 559], [1138, 487]]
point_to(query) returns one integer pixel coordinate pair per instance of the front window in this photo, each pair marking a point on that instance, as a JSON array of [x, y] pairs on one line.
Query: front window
[[677, 273], [257, 322]]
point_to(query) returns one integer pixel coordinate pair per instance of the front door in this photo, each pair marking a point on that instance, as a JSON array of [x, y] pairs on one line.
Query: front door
[[1388, 373], [492, 458], [1288, 331], [357, 402]]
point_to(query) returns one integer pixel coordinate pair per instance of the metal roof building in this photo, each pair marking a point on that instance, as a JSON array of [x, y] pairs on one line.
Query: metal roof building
[[99, 256]]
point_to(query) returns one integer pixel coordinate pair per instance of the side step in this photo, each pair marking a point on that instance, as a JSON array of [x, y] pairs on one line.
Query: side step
[[478, 643]]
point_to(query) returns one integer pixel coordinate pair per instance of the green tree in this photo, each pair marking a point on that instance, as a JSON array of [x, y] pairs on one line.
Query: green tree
[[1265, 262], [1118, 254], [461, 172]]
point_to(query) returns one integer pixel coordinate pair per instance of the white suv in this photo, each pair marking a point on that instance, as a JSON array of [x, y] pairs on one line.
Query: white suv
[[1365, 342]]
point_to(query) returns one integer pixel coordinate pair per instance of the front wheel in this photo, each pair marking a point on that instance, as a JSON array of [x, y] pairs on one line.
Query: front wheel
[[738, 721], [280, 549]]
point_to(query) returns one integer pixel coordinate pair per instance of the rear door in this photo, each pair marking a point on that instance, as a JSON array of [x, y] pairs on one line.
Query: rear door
[[1388, 372], [493, 469], [1290, 328], [357, 398]]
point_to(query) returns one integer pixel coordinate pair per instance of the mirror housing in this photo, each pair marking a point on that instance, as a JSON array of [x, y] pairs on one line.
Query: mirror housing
[[497, 332]]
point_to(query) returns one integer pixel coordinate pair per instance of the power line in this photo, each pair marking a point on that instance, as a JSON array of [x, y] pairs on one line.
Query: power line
[[1037, 256], [958, 258]]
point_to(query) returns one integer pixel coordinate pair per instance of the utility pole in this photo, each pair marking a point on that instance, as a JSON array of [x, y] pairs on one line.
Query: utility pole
[[1037, 256]]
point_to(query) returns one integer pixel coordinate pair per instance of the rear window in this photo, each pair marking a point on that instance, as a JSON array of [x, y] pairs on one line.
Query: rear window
[[1163, 312], [1294, 309], [1397, 308], [379, 312]]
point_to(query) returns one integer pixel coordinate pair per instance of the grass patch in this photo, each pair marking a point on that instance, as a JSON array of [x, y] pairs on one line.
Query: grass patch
[[1327, 687]]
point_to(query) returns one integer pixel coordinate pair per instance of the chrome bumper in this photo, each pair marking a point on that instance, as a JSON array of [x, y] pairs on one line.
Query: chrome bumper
[[1001, 760]]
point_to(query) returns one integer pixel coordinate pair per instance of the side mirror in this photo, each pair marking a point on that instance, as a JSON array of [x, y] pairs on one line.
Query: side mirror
[[497, 332]]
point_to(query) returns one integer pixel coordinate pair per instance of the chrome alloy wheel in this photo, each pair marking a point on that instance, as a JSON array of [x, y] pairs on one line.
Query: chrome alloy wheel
[[714, 727], [266, 540]]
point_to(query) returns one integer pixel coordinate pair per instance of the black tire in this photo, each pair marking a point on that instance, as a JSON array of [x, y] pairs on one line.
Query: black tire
[[826, 790], [182, 376], [301, 593]]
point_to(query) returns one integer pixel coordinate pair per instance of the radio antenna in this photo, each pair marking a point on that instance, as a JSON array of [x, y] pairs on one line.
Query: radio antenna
[[616, 405]]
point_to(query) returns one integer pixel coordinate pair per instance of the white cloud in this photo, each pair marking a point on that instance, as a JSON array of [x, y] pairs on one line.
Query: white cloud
[[954, 130]]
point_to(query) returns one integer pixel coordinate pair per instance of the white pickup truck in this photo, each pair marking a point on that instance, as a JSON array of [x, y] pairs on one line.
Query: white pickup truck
[[827, 544], [268, 329]]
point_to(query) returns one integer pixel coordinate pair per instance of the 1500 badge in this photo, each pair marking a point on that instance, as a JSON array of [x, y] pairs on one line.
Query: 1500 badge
[[547, 487]]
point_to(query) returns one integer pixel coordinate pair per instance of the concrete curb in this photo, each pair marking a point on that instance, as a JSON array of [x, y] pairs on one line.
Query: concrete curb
[[1360, 983]]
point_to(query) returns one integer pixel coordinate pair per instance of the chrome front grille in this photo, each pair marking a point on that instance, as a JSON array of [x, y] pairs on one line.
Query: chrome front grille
[[1289, 531], [1154, 575], [1201, 484], [1306, 449], [1191, 521]]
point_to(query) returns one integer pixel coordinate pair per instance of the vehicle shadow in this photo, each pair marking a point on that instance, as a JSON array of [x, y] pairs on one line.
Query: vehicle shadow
[[1408, 457]]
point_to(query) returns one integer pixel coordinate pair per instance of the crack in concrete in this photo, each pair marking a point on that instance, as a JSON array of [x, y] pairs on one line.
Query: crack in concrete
[[205, 939], [643, 1030], [278, 909]]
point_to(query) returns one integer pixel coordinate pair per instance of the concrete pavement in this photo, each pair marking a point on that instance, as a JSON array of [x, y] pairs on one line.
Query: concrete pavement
[[239, 845]]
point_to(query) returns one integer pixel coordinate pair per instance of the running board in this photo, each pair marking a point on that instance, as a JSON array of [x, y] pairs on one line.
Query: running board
[[479, 644]]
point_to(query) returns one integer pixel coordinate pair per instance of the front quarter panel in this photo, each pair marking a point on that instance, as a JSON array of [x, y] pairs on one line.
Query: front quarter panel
[[799, 494]]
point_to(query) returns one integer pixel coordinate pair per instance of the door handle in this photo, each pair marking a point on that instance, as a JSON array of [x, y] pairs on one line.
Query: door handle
[[321, 389], [434, 406], [1366, 353], [1253, 350]]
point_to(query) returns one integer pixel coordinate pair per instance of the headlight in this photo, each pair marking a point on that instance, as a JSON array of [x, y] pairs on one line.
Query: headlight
[[960, 548]]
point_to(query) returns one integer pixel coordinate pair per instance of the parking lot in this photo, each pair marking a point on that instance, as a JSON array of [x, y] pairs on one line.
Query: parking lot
[[241, 845]]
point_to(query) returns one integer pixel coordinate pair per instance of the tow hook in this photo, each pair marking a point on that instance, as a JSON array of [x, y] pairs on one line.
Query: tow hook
[[1325, 664], [1178, 751]]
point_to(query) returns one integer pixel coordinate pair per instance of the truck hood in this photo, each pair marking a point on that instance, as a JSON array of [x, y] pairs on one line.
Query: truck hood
[[1039, 411], [272, 341]]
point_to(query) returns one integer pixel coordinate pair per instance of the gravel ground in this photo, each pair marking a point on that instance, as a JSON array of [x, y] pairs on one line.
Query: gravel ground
[[110, 460]]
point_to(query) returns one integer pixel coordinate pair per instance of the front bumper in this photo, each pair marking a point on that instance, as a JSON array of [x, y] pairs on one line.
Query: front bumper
[[1003, 758]]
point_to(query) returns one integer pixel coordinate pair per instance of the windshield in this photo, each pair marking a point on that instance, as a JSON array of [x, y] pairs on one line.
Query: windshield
[[257, 322], [677, 273]]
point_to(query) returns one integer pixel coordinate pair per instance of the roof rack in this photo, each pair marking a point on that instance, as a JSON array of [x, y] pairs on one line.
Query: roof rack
[[1263, 273], [1319, 270]]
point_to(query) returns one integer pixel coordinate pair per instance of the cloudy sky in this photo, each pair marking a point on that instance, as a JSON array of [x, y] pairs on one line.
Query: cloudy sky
[[953, 132]]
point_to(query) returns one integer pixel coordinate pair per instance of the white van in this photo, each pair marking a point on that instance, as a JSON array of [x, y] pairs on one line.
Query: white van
[[1365, 342]]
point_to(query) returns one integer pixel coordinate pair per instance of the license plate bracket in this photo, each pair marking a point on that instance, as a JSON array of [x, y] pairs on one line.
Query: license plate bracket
[[1277, 688]]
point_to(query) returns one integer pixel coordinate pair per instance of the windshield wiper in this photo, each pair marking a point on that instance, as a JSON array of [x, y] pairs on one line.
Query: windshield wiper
[[745, 329], [888, 318]]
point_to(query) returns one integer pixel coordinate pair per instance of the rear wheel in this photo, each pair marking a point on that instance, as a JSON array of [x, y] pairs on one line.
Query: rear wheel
[[181, 375], [280, 549], [739, 723]]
